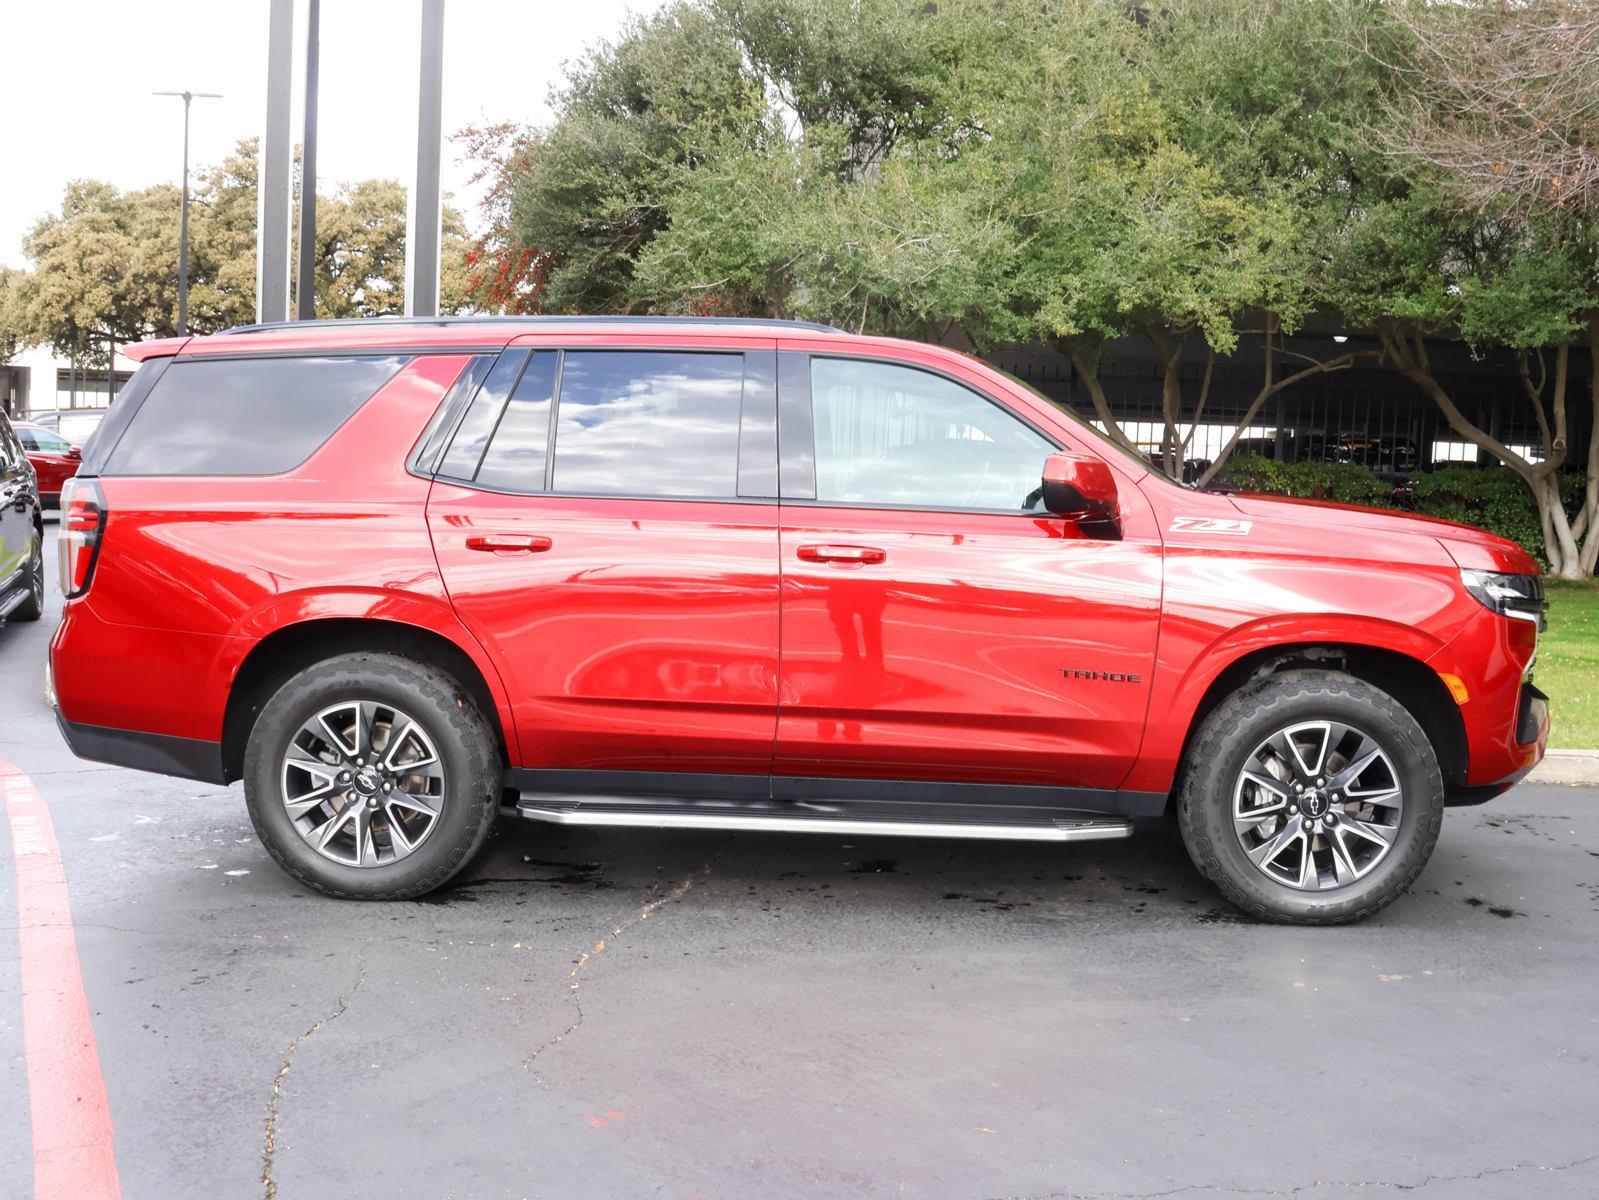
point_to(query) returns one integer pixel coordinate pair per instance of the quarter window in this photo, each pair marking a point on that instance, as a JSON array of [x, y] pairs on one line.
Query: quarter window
[[519, 449], [477, 426], [258, 416], [896, 436]]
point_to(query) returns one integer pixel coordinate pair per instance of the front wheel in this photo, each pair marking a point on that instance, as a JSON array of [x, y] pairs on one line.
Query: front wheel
[[1311, 798], [372, 776]]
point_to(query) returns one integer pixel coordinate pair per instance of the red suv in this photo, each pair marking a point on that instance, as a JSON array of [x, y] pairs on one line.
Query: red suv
[[55, 460], [395, 575]]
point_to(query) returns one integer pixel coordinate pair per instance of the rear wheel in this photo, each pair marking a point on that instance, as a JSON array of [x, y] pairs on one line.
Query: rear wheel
[[32, 608], [1311, 798], [372, 776]]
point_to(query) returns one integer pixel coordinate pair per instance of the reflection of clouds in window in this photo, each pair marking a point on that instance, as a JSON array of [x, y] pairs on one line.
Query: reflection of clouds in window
[[649, 424], [895, 435], [516, 457], [466, 449]]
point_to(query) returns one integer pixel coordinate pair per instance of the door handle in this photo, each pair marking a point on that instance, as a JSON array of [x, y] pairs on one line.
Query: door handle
[[842, 554], [509, 543]]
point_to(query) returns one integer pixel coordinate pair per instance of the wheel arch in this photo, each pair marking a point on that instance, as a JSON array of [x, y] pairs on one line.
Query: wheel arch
[[286, 651], [1410, 681]]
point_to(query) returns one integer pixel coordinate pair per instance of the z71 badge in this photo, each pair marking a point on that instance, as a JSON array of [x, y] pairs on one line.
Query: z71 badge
[[1211, 525]]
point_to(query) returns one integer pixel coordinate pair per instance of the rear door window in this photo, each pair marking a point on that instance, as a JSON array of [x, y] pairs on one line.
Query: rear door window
[[649, 423], [259, 416]]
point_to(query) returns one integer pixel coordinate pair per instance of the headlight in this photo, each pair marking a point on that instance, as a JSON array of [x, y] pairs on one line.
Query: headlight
[[1518, 596]]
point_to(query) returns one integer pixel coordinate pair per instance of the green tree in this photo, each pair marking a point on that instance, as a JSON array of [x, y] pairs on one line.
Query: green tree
[[1487, 227], [106, 263], [1003, 169], [591, 191], [10, 341]]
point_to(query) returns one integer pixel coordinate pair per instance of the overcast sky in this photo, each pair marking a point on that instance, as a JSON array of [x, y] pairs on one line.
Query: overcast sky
[[76, 78]]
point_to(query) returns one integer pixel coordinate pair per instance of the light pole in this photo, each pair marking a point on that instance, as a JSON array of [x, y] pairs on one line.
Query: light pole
[[305, 282], [183, 219]]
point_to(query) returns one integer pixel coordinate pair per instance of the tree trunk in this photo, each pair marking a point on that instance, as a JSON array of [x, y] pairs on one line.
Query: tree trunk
[[1088, 371], [1171, 397], [1587, 523], [1269, 387], [1568, 559]]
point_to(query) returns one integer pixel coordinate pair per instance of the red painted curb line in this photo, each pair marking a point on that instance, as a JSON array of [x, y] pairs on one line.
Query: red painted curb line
[[73, 1158]]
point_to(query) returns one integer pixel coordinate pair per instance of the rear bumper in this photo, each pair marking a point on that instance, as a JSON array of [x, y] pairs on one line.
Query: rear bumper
[[186, 758]]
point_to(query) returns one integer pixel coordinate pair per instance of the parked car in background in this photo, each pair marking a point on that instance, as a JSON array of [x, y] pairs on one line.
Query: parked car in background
[[1192, 468], [720, 574], [1393, 459], [55, 460], [21, 532], [77, 425]]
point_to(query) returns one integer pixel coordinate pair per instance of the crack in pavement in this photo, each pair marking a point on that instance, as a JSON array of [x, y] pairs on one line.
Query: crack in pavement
[[574, 977], [1196, 1188], [269, 1146]]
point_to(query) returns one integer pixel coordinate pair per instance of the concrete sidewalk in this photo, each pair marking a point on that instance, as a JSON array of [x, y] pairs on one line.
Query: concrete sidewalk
[[1579, 767]]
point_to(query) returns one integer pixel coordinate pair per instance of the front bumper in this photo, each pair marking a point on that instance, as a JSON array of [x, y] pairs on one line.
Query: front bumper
[[1532, 718]]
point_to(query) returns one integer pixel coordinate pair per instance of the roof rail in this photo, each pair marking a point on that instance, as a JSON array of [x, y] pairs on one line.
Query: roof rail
[[445, 322]]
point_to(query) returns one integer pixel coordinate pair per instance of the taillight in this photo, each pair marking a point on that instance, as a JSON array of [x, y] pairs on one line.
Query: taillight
[[82, 522]]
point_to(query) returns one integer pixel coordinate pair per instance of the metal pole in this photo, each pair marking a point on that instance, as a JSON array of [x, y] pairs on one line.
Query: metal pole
[[305, 303], [183, 215], [110, 369], [183, 228], [425, 212], [275, 181]]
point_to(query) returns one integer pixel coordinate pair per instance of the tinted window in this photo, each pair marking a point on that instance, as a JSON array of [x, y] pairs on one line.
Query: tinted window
[[449, 411], [472, 438], [649, 423], [898, 436], [520, 446], [245, 416]]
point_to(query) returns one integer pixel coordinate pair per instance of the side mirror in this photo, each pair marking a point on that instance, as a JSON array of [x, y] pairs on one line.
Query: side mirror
[[74, 453], [1082, 488]]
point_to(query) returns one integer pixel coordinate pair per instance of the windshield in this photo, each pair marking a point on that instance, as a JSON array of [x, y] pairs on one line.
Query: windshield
[[1135, 457]]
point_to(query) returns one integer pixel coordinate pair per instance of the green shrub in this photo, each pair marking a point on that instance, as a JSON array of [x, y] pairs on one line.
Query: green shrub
[[1491, 498], [1345, 483]]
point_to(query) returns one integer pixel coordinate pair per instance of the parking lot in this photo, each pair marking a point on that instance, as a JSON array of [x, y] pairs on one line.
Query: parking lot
[[638, 1014]]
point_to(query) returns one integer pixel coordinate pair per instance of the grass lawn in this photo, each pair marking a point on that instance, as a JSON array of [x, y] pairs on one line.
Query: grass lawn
[[1568, 665]]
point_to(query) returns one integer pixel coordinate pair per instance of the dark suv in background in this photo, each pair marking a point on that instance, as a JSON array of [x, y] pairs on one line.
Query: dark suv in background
[[21, 532]]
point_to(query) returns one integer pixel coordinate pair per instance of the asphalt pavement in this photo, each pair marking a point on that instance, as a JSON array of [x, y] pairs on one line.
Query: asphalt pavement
[[626, 1013]]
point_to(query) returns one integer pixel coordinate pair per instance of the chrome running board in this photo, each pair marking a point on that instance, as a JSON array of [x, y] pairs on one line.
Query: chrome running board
[[571, 811]]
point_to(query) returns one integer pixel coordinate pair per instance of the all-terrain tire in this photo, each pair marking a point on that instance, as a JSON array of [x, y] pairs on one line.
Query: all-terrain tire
[[466, 747], [1223, 746]]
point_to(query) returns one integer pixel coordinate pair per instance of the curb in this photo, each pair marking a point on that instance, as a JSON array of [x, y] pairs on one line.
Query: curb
[[1573, 767]]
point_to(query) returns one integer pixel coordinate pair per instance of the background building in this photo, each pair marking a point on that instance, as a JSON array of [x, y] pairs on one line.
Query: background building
[[37, 381], [1367, 413]]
